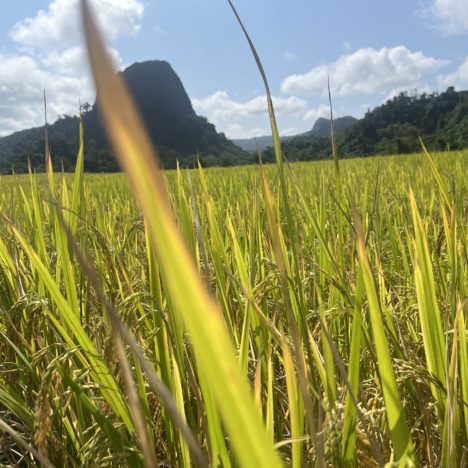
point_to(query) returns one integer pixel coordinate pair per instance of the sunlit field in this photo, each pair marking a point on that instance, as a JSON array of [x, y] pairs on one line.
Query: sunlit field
[[295, 314], [378, 312]]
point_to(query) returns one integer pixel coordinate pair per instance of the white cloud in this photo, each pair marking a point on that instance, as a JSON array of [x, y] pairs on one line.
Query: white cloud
[[321, 111], [365, 71], [450, 16], [241, 119], [65, 62], [60, 25], [52, 57], [220, 107], [234, 131], [289, 131], [459, 78], [72, 61], [289, 56], [22, 82]]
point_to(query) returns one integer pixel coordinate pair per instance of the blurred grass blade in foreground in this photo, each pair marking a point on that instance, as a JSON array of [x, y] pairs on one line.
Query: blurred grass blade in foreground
[[212, 346]]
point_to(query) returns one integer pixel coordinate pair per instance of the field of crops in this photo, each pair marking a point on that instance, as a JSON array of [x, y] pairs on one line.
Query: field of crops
[[346, 316], [289, 315]]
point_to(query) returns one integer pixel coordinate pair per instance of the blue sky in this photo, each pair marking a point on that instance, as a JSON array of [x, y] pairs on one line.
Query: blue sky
[[371, 50]]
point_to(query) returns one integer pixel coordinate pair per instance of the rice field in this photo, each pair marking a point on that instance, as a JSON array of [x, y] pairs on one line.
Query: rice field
[[307, 314], [370, 298]]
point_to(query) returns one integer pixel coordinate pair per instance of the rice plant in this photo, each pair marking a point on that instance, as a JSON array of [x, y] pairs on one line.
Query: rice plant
[[306, 314]]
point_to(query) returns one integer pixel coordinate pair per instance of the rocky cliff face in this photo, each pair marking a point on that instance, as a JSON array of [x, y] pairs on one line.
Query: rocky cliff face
[[167, 112], [172, 124], [322, 125]]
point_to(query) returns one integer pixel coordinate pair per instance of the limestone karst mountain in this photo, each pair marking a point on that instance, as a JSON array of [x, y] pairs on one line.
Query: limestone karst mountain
[[174, 127]]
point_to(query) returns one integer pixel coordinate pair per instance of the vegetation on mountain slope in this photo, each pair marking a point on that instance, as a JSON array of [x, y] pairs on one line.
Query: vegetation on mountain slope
[[172, 124], [441, 120]]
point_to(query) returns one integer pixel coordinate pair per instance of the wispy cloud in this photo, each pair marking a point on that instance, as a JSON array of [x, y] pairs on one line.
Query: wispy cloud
[[233, 116], [220, 106], [449, 16], [59, 25], [313, 114], [52, 57], [365, 71], [458, 78], [22, 81]]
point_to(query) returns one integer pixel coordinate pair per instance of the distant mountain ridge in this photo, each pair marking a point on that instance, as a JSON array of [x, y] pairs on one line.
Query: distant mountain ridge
[[179, 134], [440, 119], [251, 144], [320, 128], [340, 124], [173, 126]]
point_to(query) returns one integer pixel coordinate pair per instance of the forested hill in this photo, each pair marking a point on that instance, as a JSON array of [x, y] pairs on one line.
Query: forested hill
[[322, 125], [440, 119], [174, 127]]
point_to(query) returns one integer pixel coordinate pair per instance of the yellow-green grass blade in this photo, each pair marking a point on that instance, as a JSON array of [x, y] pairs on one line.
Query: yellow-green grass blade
[[463, 361], [437, 176], [318, 360], [13, 402], [127, 336], [330, 382], [77, 205], [451, 419], [291, 222], [65, 265], [8, 269], [294, 406], [217, 442], [134, 403], [349, 429], [179, 400], [119, 326], [281, 258], [429, 313], [37, 218], [90, 406], [211, 342], [270, 408], [89, 355], [161, 342], [258, 387], [398, 427]]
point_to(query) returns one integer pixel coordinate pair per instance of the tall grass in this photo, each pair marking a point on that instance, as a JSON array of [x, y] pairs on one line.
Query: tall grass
[[257, 316]]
